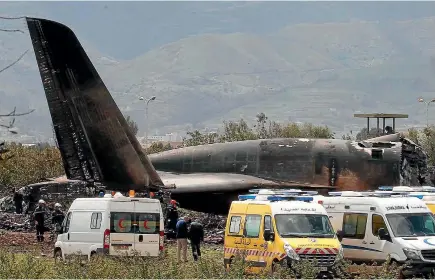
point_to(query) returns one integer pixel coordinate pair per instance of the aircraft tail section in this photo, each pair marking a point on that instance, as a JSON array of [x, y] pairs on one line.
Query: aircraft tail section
[[93, 136]]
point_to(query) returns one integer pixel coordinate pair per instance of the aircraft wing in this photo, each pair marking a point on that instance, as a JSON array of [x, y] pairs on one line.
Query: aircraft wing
[[224, 182]]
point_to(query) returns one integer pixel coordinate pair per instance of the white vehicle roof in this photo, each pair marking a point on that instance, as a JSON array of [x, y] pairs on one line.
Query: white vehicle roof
[[288, 207], [413, 189], [387, 205], [102, 203]]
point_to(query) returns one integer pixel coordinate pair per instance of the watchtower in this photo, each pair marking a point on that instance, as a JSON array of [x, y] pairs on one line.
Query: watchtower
[[382, 116]]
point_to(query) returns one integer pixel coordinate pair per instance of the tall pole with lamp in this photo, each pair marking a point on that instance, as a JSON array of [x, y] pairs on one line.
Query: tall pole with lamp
[[421, 100], [146, 113]]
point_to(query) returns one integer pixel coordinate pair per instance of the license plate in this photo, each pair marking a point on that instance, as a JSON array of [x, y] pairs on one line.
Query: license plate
[[120, 247], [322, 268]]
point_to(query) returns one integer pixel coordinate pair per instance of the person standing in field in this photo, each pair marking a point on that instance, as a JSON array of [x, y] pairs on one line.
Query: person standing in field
[[196, 235], [39, 217], [181, 235], [18, 201]]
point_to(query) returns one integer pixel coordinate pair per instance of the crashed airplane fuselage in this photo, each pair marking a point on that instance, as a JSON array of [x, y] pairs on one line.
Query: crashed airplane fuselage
[[97, 145], [320, 164]]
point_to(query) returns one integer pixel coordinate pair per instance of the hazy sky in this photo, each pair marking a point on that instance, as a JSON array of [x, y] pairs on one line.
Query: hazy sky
[[127, 29]]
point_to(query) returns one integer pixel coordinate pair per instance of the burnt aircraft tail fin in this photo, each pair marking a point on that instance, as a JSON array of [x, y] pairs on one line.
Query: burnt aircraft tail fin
[[93, 136]]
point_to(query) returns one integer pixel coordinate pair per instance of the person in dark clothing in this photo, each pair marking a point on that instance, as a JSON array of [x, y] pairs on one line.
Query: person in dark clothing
[[196, 235], [181, 235], [57, 216], [32, 198], [18, 201], [39, 217], [172, 217], [389, 130]]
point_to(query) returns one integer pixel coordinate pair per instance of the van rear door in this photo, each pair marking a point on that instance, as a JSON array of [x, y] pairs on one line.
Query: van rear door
[[147, 229], [122, 228]]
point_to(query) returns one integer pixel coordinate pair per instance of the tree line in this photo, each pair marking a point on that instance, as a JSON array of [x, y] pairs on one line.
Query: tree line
[[21, 165], [240, 130]]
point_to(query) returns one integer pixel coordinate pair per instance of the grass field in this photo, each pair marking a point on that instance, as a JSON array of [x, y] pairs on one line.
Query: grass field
[[31, 265]]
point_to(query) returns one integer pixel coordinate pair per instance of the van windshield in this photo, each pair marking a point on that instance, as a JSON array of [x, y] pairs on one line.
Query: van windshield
[[303, 225], [412, 224]]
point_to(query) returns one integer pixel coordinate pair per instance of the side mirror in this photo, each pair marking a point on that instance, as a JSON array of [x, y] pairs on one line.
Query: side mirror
[[383, 234], [268, 235], [340, 235]]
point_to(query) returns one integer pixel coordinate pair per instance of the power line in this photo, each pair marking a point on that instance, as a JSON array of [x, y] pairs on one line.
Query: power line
[[2, 17]]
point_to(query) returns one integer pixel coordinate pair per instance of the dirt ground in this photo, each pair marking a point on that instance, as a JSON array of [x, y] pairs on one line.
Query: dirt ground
[[24, 242]]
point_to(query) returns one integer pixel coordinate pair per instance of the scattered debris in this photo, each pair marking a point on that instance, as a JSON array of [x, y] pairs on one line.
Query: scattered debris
[[15, 222], [214, 225]]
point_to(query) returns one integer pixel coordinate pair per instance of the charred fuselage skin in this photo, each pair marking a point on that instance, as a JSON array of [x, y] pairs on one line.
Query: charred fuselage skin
[[339, 164]]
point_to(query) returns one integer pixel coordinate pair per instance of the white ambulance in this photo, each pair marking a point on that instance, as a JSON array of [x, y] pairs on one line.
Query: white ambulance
[[373, 226], [425, 193], [112, 225]]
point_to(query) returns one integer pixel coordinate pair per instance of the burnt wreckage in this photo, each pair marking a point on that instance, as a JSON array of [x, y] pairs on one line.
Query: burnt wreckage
[[95, 141], [97, 145], [218, 171]]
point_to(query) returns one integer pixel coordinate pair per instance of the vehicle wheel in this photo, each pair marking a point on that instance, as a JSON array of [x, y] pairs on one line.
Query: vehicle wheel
[[58, 255], [275, 264], [228, 265], [397, 265]]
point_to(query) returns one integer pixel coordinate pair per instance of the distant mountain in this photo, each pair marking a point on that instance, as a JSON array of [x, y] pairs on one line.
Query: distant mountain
[[320, 73], [210, 61]]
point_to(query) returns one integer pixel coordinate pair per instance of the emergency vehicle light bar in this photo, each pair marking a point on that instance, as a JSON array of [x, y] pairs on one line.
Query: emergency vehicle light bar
[[290, 197], [345, 193], [273, 197], [408, 189], [282, 192], [413, 193], [419, 196], [247, 196], [375, 194]]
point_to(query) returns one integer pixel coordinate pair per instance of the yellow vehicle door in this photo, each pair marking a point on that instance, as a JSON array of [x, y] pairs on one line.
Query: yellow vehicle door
[[266, 241], [252, 235], [234, 239]]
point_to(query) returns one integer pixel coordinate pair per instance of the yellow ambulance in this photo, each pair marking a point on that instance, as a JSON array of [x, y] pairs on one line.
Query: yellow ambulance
[[279, 228]]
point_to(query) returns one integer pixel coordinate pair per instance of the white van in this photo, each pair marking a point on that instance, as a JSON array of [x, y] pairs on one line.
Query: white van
[[112, 225], [373, 226], [425, 193]]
